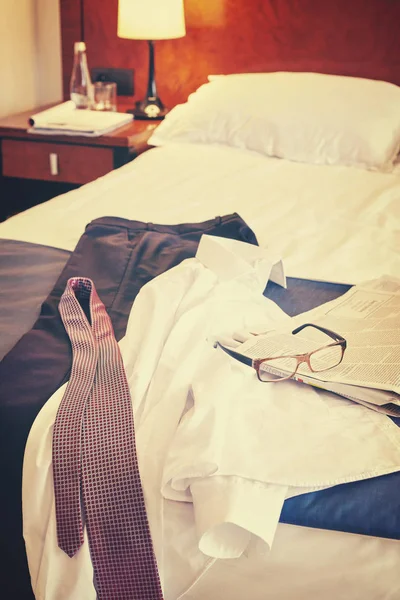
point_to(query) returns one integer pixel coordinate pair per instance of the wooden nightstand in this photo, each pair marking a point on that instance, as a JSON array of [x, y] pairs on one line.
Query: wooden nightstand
[[37, 167]]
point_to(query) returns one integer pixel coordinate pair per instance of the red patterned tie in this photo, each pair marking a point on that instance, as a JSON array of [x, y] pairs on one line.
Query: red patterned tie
[[94, 457]]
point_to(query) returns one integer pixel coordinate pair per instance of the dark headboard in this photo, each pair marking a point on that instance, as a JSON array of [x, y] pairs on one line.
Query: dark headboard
[[347, 37]]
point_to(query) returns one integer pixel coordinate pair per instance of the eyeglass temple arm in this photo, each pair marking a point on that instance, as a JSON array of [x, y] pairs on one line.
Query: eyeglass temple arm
[[332, 334], [243, 359]]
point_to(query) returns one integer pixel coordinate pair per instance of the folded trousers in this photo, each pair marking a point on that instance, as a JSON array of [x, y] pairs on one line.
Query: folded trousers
[[119, 256]]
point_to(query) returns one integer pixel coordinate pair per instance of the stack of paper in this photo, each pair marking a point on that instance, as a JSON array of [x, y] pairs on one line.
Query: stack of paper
[[368, 317], [65, 119]]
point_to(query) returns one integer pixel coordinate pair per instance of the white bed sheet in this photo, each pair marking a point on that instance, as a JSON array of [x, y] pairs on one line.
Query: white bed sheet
[[330, 223]]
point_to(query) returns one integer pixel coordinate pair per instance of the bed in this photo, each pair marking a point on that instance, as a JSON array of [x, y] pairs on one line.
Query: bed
[[320, 189]]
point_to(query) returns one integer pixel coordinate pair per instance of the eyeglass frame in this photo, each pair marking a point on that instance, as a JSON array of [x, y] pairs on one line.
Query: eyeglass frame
[[301, 358]]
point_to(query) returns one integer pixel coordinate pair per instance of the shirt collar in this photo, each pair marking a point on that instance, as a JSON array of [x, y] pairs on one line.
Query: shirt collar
[[231, 259]]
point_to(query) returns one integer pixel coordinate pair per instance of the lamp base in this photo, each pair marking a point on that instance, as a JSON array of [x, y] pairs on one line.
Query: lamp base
[[149, 109]]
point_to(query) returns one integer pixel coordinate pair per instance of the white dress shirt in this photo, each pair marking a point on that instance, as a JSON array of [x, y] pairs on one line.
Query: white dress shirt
[[218, 451]]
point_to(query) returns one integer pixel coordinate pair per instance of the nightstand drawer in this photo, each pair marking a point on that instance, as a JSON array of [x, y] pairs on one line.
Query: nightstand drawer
[[55, 161]]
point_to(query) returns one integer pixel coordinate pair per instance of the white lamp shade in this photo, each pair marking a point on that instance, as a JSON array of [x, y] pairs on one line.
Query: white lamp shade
[[151, 19]]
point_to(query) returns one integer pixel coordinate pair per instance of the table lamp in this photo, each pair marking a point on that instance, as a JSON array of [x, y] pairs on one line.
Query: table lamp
[[150, 20]]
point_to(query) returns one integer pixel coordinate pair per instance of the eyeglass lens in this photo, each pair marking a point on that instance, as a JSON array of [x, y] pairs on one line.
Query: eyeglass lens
[[275, 369], [326, 358]]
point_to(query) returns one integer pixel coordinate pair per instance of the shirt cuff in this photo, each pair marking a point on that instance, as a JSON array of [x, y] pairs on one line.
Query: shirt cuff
[[229, 509]]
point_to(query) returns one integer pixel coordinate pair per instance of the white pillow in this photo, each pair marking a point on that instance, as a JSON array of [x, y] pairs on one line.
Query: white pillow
[[306, 117]]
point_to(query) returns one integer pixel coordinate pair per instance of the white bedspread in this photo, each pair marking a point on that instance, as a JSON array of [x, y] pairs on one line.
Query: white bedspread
[[330, 223]]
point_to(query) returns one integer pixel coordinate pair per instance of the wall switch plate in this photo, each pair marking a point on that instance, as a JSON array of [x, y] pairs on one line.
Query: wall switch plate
[[122, 77]]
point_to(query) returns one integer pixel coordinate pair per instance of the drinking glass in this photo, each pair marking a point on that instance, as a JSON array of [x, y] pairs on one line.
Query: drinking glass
[[105, 96]]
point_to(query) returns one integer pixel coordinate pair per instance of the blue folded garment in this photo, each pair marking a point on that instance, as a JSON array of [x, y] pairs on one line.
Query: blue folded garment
[[367, 507]]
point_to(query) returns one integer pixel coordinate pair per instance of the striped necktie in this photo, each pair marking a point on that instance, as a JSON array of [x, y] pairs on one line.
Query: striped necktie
[[95, 465]]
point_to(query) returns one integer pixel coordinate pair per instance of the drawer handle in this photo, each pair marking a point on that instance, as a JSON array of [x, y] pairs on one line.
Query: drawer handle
[[53, 158]]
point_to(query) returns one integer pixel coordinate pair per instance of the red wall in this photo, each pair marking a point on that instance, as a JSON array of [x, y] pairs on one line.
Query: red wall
[[349, 37]]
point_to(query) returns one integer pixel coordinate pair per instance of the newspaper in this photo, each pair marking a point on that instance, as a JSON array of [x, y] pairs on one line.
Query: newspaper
[[368, 317]]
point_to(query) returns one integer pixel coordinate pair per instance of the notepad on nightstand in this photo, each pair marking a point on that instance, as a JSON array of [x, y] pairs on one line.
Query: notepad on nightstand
[[65, 119]]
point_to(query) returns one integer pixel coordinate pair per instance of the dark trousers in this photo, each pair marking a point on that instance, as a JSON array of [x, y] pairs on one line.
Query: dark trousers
[[120, 256]]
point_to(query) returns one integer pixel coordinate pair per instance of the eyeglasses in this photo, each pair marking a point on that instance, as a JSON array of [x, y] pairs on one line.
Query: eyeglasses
[[279, 368]]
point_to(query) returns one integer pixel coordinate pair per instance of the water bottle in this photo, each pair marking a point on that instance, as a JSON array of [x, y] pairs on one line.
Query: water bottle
[[81, 88]]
